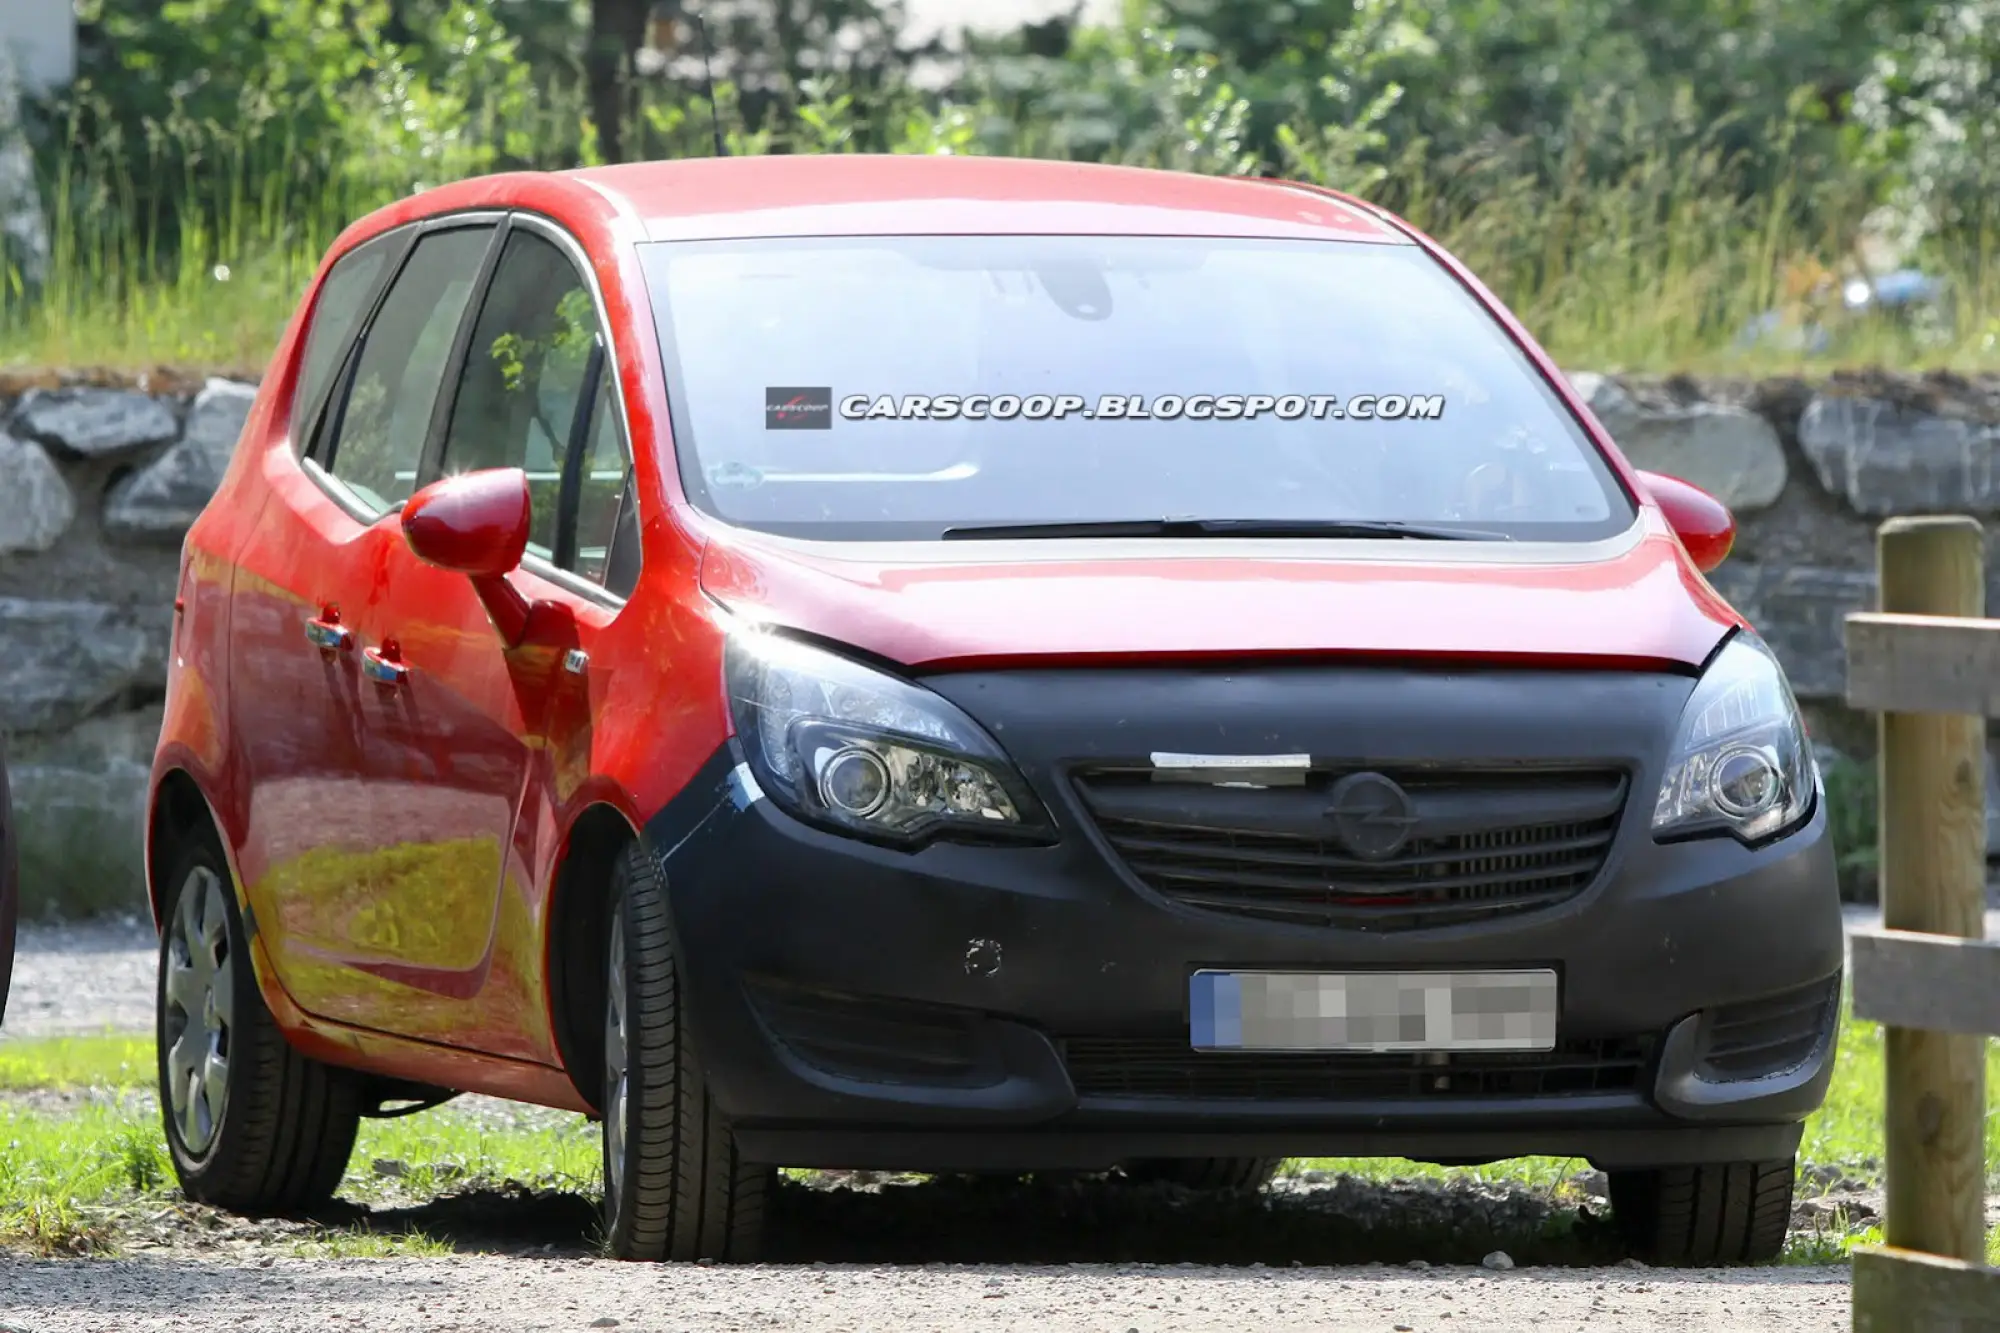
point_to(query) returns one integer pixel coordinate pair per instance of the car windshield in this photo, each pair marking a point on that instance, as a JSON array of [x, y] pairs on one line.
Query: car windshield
[[914, 387]]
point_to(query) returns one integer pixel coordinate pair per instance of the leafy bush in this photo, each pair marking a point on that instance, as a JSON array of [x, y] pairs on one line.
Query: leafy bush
[[1639, 180], [1932, 105], [1851, 811]]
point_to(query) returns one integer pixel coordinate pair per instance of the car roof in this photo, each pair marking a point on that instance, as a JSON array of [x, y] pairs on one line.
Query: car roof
[[879, 194]]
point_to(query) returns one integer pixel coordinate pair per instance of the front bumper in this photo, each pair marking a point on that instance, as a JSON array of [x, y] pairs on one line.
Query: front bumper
[[992, 1008]]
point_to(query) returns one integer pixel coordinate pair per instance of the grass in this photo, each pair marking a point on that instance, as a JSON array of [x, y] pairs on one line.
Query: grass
[[81, 1179], [1666, 291], [112, 1061], [1847, 1132], [74, 1176], [1658, 267]]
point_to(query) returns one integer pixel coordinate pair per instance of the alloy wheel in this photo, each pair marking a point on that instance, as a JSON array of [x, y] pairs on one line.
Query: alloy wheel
[[200, 995]]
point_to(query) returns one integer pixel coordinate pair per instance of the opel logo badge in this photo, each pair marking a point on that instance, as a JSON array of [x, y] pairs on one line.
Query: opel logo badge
[[1371, 815]]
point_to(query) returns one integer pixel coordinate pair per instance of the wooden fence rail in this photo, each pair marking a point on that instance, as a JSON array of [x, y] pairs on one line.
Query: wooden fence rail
[[1929, 664]]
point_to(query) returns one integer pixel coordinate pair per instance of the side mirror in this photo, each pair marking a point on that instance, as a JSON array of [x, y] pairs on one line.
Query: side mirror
[[1702, 522], [475, 524]]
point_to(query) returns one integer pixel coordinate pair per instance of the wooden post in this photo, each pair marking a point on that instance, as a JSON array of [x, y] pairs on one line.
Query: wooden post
[[1933, 859], [1897, 1291]]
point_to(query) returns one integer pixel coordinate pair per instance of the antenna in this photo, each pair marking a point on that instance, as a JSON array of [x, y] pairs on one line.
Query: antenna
[[708, 84]]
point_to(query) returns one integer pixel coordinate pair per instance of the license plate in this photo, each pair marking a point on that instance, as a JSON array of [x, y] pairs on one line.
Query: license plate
[[1373, 1011]]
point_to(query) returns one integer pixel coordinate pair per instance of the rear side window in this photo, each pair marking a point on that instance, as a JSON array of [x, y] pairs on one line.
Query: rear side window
[[378, 434], [342, 305]]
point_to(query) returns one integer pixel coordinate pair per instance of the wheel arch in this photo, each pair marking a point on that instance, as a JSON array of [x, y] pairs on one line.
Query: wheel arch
[[180, 809], [578, 921]]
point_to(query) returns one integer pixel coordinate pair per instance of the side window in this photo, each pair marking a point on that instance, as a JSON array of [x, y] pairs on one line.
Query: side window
[[606, 516], [342, 304], [526, 386], [379, 434]]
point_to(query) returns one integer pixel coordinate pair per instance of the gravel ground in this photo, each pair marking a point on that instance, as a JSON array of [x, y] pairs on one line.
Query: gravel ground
[[79, 979], [866, 1252], [491, 1295]]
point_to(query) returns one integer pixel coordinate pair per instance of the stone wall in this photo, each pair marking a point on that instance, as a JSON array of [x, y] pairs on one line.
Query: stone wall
[[1811, 469], [98, 483]]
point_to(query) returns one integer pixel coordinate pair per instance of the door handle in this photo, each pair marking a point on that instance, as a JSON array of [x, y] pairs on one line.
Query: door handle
[[327, 634], [382, 667]]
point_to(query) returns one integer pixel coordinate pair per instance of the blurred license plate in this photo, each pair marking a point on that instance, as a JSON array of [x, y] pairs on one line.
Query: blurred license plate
[[1373, 1011]]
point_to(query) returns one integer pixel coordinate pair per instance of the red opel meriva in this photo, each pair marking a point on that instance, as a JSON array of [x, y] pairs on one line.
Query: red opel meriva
[[969, 665]]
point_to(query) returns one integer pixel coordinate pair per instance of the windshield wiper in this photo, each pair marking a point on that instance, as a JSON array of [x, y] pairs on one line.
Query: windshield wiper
[[1378, 529]]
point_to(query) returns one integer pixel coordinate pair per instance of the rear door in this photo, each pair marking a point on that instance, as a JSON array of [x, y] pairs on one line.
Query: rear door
[[326, 844], [470, 714], [297, 742]]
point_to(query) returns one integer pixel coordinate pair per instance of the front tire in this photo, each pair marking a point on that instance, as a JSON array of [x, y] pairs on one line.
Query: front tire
[[252, 1125], [674, 1186], [1708, 1215]]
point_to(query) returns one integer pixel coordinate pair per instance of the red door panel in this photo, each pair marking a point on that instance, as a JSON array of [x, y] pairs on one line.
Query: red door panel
[[304, 749], [446, 888]]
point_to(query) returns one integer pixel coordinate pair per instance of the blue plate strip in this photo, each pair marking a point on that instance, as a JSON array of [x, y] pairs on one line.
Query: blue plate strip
[[1216, 1011]]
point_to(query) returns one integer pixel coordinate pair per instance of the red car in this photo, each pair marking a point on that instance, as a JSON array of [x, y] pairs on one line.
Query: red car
[[969, 665], [10, 891]]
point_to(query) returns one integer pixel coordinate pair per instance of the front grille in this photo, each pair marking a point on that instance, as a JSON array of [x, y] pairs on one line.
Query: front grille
[[1169, 1067], [1769, 1036], [1482, 843]]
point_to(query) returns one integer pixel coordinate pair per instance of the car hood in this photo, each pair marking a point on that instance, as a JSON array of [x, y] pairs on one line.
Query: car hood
[[1636, 601]]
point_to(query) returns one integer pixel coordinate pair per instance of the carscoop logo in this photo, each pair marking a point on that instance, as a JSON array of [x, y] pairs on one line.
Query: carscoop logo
[[798, 409]]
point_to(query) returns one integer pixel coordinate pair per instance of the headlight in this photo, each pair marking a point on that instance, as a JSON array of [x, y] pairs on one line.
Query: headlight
[[1741, 761], [845, 745]]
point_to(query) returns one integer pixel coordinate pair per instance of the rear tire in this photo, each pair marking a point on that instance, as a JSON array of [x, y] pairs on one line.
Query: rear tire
[[1703, 1216], [674, 1186], [1205, 1173], [252, 1125]]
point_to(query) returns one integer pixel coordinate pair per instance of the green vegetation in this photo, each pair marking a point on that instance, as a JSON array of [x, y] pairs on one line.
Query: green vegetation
[[1847, 1132], [85, 1169], [113, 1061], [86, 1165], [1638, 180], [1851, 797]]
